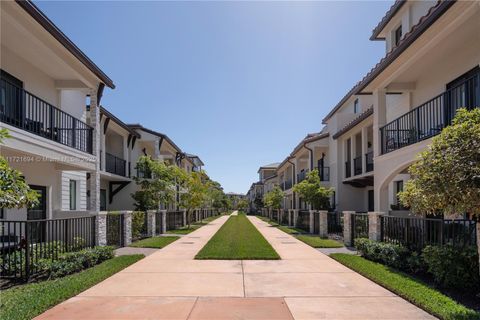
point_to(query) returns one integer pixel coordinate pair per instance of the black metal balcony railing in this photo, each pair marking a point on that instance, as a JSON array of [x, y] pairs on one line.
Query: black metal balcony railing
[[348, 169], [286, 185], [357, 165], [369, 161], [21, 109], [302, 175], [324, 173], [430, 118], [115, 164]]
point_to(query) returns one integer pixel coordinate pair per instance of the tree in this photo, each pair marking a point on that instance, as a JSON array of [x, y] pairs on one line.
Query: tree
[[242, 205], [273, 198], [446, 177], [312, 191], [195, 187], [14, 191], [157, 184]]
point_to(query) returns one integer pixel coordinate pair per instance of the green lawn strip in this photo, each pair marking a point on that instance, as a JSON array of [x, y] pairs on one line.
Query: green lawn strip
[[30, 300], [193, 226], [238, 239], [311, 240], [317, 242], [408, 287], [154, 242]]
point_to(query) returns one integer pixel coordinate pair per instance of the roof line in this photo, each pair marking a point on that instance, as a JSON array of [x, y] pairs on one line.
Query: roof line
[[118, 121], [364, 115], [155, 133], [386, 19], [51, 28]]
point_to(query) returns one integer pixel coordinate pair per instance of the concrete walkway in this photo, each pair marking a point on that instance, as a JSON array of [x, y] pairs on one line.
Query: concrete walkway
[[170, 284]]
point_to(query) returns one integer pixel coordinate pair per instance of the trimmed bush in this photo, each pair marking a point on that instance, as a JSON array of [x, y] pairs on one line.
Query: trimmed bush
[[453, 267], [392, 255]]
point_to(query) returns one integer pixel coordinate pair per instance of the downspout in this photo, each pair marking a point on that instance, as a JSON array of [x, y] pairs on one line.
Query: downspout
[[294, 204]]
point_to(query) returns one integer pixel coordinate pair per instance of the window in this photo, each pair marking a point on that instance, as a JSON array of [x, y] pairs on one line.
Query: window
[[103, 200], [398, 188], [73, 195], [356, 106], [398, 35]]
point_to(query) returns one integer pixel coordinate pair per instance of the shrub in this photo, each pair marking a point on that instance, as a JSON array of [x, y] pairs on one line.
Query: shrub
[[452, 266], [392, 255], [72, 262], [138, 224]]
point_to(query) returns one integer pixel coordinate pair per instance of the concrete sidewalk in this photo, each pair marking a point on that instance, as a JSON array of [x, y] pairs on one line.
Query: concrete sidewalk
[[170, 284]]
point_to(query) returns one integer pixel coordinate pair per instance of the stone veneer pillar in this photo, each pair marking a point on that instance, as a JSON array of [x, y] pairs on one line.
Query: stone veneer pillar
[[127, 230], [323, 224], [101, 228], [151, 223], [295, 217], [375, 226], [163, 214], [184, 217], [347, 228], [311, 221], [94, 180]]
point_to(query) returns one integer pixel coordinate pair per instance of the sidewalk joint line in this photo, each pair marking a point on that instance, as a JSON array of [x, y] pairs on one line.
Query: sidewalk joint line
[[191, 310]]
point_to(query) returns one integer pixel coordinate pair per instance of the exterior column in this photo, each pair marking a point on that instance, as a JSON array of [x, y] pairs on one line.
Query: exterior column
[[375, 226], [102, 155], [379, 119], [364, 148], [347, 228], [157, 149], [295, 217], [184, 217], [94, 180], [323, 224], [163, 214], [127, 230], [101, 228], [151, 223], [125, 155], [289, 217], [312, 221]]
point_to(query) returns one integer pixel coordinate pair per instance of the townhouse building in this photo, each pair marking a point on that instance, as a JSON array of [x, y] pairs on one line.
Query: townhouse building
[[374, 133], [46, 81]]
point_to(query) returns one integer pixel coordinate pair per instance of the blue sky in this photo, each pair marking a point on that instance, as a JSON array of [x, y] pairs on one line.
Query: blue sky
[[222, 78]]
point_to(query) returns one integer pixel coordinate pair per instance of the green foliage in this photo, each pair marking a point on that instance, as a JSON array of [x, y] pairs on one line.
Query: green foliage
[[446, 177], [242, 204], [72, 262], [409, 288], [392, 255], [273, 199], [453, 267], [237, 239], [155, 242], [139, 225], [158, 185], [14, 191], [195, 187], [312, 191], [30, 300]]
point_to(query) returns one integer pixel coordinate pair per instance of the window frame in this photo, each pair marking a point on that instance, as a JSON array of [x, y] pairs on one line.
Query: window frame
[[72, 194], [356, 106], [397, 34]]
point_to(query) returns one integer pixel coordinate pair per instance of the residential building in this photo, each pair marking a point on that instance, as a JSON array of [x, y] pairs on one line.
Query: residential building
[[46, 81], [235, 198]]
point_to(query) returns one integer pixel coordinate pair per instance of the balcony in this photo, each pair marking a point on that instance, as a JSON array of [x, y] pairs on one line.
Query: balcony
[[430, 118], [286, 185], [369, 161], [348, 169], [115, 164], [302, 176], [21, 109], [324, 173], [357, 165]]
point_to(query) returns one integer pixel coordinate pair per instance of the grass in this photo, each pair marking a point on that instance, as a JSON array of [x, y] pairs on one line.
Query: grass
[[193, 226], [408, 287], [238, 239], [155, 242], [30, 300], [311, 240], [317, 242]]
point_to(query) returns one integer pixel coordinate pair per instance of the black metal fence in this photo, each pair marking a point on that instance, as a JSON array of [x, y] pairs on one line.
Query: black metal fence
[[416, 233], [316, 222], [303, 220], [284, 216], [359, 225], [25, 244], [139, 225], [275, 214], [26, 111], [158, 222], [115, 229], [335, 223], [174, 220]]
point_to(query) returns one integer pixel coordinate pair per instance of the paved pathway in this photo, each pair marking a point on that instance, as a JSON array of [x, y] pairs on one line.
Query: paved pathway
[[170, 284]]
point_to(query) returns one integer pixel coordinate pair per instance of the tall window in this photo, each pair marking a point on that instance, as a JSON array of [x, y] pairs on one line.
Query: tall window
[[356, 106], [73, 195], [399, 188], [398, 35]]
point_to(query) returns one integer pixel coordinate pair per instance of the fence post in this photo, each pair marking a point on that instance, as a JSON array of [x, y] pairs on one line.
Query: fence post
[[347, 228], [323, 224], [311, 221], [151, 223], [375, 226], [127, 227], [184, 222], [295, 217], [101, 228], [163, 214]]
